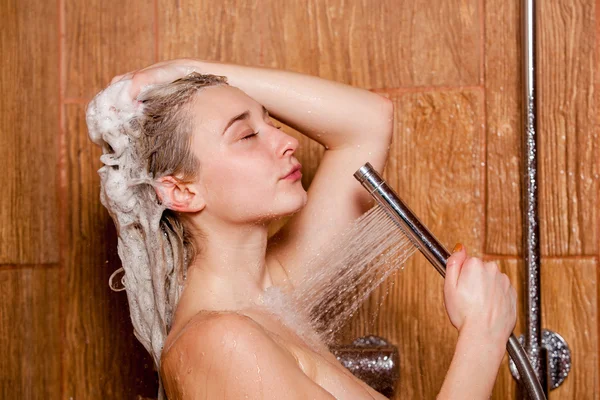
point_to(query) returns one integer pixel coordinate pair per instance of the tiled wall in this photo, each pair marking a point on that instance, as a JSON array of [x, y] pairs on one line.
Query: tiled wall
[[452, 69]]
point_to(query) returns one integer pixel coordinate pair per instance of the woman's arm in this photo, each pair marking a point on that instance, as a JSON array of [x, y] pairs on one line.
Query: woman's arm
[[481, 304], [353, 124], [473, 369], [331, 113]]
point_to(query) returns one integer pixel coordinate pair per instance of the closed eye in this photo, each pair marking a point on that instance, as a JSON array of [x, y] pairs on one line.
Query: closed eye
[[250, 136]]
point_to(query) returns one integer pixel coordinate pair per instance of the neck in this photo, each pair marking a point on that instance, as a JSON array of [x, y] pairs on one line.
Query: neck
[[230, 270]]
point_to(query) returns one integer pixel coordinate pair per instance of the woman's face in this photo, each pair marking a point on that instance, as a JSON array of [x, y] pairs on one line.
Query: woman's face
[[244, 158]]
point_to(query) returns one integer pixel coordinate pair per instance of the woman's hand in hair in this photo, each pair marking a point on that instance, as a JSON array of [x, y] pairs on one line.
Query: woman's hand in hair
[[161, 72]]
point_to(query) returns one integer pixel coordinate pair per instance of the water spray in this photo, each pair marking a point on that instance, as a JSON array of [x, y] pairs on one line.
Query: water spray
[[437, 255]]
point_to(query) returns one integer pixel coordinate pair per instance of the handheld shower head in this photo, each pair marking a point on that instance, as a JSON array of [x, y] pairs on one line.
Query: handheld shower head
[[437, 255], [404, 217]]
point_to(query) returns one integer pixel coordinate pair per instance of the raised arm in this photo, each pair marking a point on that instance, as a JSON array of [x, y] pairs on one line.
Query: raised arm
[[331, 113]]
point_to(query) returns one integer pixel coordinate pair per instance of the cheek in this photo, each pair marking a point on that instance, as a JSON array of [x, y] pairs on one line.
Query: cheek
[[239, 180]]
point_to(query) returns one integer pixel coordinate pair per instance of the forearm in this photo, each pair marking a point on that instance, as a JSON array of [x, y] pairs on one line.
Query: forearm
[[473, 370], [332, 113]]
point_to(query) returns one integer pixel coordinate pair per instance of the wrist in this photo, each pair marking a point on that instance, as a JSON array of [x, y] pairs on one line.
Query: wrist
[[493, 346], [474, 367]]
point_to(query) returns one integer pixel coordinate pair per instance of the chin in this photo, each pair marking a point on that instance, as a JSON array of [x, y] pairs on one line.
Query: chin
[[294, 205], [302, 199]]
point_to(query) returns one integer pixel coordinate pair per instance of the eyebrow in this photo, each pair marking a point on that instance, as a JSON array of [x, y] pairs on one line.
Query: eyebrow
[[244, 115]]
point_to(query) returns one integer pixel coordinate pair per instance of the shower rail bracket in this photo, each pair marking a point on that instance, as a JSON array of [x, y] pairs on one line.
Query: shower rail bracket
[[559, 358]]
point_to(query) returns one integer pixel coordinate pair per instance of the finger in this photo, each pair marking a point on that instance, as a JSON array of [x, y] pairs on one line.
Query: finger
[[505, 282], [513, 301], [454, 265], [128, 75], [492, 267], [119, 78], [162, 64], [513, 295], [157, 75], [116, 79]]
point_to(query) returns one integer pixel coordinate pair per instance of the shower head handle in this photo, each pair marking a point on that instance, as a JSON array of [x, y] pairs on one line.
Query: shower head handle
[[404, 217]]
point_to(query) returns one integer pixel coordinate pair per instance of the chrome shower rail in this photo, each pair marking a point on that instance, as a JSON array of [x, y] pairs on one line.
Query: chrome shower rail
[[531, 230]]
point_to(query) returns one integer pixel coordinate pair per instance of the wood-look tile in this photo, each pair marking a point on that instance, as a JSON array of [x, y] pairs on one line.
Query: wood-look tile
[[31, 333], [376, 44], [104, 39], [226, 31], [568, 146], [569, 308], [435, 166], [102, 358], [29, 133], [503, 123], [435, 162], [370, 45]]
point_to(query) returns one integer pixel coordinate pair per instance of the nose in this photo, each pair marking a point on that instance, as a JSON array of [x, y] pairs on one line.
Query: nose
[[287, 145]]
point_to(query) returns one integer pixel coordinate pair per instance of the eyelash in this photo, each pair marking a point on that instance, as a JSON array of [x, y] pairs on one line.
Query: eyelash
[[255, 133], [249, 136]]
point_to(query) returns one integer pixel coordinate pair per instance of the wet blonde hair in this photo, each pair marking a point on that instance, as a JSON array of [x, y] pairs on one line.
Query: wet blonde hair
[[167, 125], [141, 144]]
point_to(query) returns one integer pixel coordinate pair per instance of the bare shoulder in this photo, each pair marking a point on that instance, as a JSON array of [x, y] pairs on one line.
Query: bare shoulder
[[210, 328], [230, 356], [212, 334]]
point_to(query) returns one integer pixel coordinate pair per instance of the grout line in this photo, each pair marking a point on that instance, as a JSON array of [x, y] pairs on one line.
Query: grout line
[[487, 256], [156, 47], [61, 186], [418, 89], [261, 58], [5, 267], [597, 127], [482, 44], [62, 76], [484, 168], [498, 257]]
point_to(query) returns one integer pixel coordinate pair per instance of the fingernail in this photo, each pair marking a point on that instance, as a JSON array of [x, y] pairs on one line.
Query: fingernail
[[457, 248]]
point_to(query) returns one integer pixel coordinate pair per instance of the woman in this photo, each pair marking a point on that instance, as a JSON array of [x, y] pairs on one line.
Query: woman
[[223, 171]]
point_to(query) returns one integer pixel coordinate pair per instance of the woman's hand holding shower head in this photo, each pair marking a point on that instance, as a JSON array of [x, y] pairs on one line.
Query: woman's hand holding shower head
[[480, 300]]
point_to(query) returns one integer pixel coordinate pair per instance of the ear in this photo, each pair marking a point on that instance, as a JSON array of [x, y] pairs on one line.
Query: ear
[[178, 196]]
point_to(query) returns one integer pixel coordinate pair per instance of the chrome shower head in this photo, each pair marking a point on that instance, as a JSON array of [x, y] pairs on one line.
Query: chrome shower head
[[418, 233]]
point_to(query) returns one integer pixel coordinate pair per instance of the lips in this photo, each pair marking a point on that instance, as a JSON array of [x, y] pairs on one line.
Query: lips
[[291, 172]]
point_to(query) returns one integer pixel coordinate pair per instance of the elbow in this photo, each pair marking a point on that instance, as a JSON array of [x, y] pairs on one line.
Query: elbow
[[389, 113], [387, 119]]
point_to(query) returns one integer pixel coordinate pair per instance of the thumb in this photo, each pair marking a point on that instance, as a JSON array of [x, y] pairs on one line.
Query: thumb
[[454, 265]]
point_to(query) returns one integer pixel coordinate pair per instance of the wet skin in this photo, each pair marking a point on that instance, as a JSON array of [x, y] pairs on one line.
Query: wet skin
[[262, 357], [242, 186]]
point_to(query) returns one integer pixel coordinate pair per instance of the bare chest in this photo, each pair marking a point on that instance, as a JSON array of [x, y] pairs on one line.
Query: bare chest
[[317, 362]]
